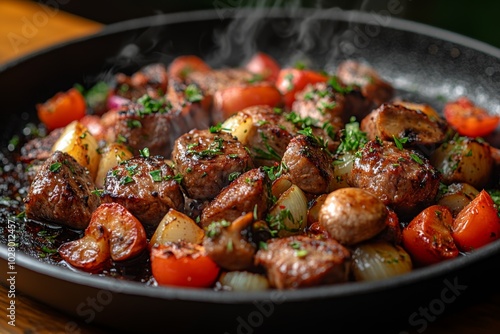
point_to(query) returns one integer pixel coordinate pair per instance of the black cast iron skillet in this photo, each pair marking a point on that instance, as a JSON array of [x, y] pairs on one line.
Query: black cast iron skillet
[[424, 64]]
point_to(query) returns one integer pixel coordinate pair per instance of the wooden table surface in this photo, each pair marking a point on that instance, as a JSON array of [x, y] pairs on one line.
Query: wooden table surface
[[26, 27]]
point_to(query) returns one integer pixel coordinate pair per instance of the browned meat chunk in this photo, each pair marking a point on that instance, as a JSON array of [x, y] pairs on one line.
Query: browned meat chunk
[[151, 80], [61, 192], [322, 104], [415, 127], [402, 178], [309, 165], [156, 124], [147, 187], [227, 243], [194, 105], [301, 261], [208, 161], [373, 87], [248, 192], [40, 148]]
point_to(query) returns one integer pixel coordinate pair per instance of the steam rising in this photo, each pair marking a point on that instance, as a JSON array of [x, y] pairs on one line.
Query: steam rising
[[299, 37]]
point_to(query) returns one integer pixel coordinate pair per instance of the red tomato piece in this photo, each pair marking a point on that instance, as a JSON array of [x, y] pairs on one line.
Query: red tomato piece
[[88, 253], [468, 119], [62, 109], [233, 99], [127, 236], [291, 81], [393, 232], [183, 264], [94, 125], [427, 238], [265, 66], [477, 224], [181, 66]]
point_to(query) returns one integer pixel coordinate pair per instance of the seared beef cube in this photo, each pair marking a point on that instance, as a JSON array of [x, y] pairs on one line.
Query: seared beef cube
[[150, 123], [156, 123], [62, 192], [409, 125], [309, 165], [301, 261], [147, 186], [228, 244], [40, 148], [402, 178], [153, 131], [208, 161], [151, 80], [249, 192], [322, 103], [373, 87], [194, 106]]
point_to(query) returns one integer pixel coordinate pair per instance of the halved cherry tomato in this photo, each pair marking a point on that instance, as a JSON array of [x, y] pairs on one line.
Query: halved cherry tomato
[[291, 81], [427, 238], [88, 253], [181, 66], [264, 66], [127, 235], [113, 233], [477, 224], [233, 99], [468, 119], [62, 109], [183, 264]]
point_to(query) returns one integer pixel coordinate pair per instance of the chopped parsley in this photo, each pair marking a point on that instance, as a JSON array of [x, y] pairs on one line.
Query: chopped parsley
[[233, 176], [416, 158], [215, 148], [127, 179], [351, 137], [256, 77], [156, 175], [97, 192], [400, 141], [55, 167], [133, 124], [334, 82], [144, 152], [148, 105], [277, 222], [214, 229], [193, 93], [218, 128], [318, 140], [301, 122], [274, 172]]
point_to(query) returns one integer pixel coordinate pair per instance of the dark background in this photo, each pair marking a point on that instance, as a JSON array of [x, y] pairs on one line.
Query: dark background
[[476, 19]]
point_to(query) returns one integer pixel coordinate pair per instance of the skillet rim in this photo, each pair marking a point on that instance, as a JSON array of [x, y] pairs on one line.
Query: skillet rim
[[207, 295]]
